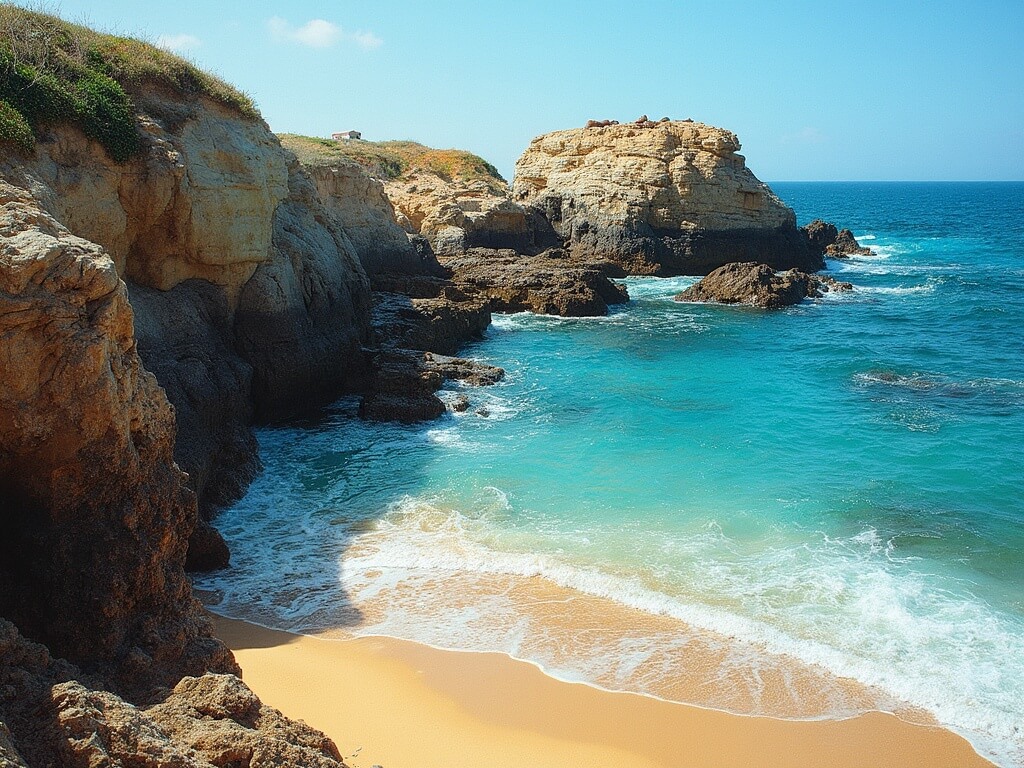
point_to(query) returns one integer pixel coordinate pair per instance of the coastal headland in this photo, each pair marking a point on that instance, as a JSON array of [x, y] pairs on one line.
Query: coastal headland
[[172, 274]]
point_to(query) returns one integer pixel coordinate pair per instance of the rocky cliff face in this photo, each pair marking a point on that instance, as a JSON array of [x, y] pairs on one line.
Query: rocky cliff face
[[359, 202], [658, 198], [97, 515], [247, 299], [456, 214], [247, 293]]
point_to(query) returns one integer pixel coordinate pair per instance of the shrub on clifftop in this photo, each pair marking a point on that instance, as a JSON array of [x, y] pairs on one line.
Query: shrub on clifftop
[[55, 72]]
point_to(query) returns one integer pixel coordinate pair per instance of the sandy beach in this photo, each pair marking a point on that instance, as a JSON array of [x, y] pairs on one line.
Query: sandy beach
[[398, 704]]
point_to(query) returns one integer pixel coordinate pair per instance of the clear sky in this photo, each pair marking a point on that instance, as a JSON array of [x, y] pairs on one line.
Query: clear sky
[[825, 90]]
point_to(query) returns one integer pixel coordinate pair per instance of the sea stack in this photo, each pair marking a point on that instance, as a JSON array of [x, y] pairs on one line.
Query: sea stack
[[665, 198]]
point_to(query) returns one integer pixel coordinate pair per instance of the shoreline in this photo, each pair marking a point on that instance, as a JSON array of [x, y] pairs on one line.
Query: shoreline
[[400, 703]]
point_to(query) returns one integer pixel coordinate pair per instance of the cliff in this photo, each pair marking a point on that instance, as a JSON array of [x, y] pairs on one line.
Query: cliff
[[453, 198], [666, 198], [151, 224], [359, 202]]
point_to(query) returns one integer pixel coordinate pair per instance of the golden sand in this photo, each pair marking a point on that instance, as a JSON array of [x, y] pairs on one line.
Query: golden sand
[[402, 705]]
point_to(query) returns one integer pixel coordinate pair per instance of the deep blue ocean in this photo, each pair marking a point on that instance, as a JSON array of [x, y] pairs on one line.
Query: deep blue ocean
[[823, 505]]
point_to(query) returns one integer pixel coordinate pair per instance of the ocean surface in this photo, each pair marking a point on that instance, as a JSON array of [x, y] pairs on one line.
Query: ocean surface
[[803, 513]]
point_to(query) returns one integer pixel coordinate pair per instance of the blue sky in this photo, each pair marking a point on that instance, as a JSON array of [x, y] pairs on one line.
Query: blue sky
[[863, 90]]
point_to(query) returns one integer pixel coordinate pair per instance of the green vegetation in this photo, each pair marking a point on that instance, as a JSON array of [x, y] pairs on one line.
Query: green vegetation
[[55, 72], [393, 159]]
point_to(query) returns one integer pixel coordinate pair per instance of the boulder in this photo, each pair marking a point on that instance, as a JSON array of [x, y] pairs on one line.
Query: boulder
[[846, 245], [749, 283], [51, 713]]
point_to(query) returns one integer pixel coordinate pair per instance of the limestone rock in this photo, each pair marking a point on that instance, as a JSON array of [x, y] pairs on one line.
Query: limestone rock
[[303, 317], [846, 245], [455, 214], [428, 314], [548, 283], [818, 285], [218, 718], [247, 291], [665, 198], [368, 218], [821, 234], [51, 714], [750, 283], [97, 513], [407, 380]]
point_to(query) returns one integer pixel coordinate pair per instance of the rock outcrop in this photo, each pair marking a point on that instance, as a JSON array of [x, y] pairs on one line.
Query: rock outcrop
[[665, 198], [96, 513], [49, 716], [250, 302], [548, 283], [368, 218], [456, 214], [835, 243], [760, 286]]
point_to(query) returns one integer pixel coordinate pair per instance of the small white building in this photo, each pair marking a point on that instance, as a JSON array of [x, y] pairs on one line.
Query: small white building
[[346, 135]]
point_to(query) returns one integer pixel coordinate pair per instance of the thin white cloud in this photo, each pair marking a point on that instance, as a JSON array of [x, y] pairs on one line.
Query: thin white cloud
[[178, 43], [366, 40], [320, 33]]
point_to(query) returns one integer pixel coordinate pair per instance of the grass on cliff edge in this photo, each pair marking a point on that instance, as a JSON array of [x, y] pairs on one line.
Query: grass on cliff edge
[[53, 72], [394, 159]]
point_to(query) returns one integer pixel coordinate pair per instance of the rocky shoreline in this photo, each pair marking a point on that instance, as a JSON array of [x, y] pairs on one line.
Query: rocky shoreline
[[154, 308]]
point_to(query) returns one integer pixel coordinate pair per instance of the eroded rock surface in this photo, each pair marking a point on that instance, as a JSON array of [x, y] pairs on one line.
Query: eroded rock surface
[[97, 514], [250, 301], [53, 714], [760, 286], [368, 217], [455, 214], [664, 198], [548, 283], [835, 243]]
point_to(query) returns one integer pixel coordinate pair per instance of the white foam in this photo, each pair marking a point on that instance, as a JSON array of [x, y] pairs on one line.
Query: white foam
[[657, 287], [851, 606]]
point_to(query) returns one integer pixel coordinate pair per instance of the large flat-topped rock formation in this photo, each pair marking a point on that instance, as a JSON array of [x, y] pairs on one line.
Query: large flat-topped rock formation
[[672, 197]]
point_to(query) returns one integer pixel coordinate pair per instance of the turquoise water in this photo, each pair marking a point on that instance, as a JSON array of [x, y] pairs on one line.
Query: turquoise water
[[840, 483]]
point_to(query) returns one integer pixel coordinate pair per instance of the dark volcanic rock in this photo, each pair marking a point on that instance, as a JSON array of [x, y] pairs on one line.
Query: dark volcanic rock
[[749, 283], [548, 283]]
